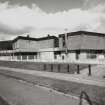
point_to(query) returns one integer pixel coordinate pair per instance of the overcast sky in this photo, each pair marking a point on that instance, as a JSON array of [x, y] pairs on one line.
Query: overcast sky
[[42, 17]]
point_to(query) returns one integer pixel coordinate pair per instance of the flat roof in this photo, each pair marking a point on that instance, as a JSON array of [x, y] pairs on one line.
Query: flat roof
[[83, 32]]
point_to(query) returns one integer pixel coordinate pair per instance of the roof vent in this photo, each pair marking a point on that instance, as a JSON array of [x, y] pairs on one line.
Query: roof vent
[[48, 35], [28, 35]]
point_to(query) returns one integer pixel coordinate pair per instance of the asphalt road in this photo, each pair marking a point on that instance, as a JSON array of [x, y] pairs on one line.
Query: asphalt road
[[18, 92]]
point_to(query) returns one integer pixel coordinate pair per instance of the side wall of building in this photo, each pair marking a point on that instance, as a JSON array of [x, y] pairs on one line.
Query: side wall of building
[[81, 42]]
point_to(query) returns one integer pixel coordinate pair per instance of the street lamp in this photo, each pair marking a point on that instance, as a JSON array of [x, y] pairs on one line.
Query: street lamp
[[66, 40]]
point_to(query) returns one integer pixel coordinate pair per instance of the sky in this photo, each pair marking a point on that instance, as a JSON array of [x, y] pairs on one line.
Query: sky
[[39, 18]]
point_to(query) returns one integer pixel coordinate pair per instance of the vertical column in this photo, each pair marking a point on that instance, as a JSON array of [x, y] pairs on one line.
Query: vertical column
[[59, 67], [77, 56], [66, 40], [67, 67], [51, 67], [11, 56], [21, 57], [34, 57], [27, 57], [89, 66], [78, 69], [44, 67]]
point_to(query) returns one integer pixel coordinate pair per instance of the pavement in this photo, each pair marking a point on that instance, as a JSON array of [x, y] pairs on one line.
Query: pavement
[[97, 71], [85, 79], [17, 92]]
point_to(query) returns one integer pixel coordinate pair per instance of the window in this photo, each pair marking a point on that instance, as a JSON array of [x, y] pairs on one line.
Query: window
[[63, 41], [55, 56]]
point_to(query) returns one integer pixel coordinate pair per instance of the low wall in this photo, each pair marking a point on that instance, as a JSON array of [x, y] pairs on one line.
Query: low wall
[[96, 93], [44, 66]]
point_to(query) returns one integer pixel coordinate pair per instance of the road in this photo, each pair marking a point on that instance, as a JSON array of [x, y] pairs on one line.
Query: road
[[17, 92]]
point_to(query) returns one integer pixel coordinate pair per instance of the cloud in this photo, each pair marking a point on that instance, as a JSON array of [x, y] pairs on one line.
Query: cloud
[[16, 19]]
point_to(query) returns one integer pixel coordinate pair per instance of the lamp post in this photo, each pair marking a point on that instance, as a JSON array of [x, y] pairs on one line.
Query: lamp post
[[66, 40]]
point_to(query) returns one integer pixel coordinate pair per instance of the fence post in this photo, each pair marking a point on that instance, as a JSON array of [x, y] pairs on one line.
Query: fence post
[[44, 67], [58, 67], [51, 67], [68, 68], [89, 70], [78, 70]]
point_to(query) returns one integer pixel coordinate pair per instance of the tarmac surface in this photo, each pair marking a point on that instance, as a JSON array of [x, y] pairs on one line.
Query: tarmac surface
[[17, 92]]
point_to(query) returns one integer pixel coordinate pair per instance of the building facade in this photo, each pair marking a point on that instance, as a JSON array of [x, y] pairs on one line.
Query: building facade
[[27, 48], [82, 45], [74, 46]]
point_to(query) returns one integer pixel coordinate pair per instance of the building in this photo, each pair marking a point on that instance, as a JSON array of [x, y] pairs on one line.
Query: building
[[74, 46], [27, 48], [82, 45], [5, 49]]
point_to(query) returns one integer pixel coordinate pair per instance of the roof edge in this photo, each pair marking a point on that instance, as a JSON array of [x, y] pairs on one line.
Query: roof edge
[[83, 32]]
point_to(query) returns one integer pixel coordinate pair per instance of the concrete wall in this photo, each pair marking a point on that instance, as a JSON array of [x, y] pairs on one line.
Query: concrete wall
[[49, 56], [74, 42], [83, 42], [29, 44], [72, 56], [5, 57], [66, 57], [25, 44], [82, 56], [93, 42], [60, 43], [43, 44]]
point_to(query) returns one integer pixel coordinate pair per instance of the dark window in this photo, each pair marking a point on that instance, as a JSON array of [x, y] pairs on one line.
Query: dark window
[[63, 41], [24, 57], [31, 57], [19, 57], [55, 56]]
